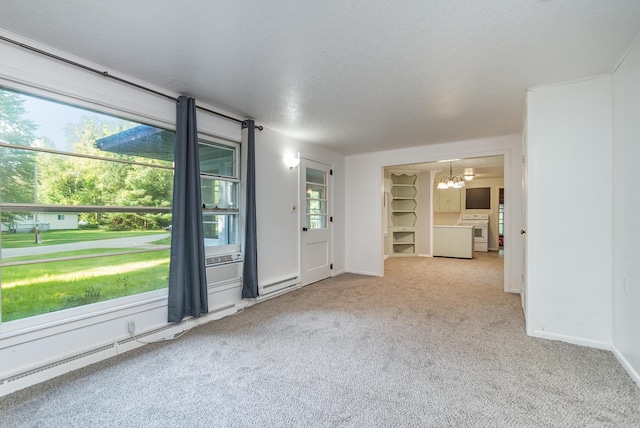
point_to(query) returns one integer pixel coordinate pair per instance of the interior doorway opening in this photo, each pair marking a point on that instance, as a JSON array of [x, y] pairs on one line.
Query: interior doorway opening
[[414, 207]]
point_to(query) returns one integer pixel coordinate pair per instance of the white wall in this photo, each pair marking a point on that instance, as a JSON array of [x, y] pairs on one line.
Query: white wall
[[364, 181], [277, 187], [569, 264], [70, 220], [424, 213], [626, 208]]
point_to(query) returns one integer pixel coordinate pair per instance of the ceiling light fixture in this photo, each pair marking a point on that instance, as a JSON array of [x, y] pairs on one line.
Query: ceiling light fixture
[[468, 174], [451, 182]]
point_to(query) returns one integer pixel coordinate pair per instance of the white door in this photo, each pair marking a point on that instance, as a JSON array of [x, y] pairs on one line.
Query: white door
[[315, 221]]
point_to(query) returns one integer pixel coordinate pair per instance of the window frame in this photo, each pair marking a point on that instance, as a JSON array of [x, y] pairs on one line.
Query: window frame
[[210, 140], [99, 309]]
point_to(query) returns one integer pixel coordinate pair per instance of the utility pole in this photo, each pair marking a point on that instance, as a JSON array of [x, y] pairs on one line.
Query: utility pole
[[35, 194]]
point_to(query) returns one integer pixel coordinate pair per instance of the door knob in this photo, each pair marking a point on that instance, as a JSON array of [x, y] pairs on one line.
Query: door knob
[[522, 231]]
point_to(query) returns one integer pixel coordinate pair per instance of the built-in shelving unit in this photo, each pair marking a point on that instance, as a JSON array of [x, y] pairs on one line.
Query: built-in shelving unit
[[403, 213]]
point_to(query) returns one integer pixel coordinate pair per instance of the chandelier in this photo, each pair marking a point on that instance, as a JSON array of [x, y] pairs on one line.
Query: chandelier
[[451, 182]]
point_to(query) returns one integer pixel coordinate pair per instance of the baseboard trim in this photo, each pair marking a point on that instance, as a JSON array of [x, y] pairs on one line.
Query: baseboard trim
[[338, 272], [425, 255], [361, 272], [572, 339], [625, 364], [58, 367]]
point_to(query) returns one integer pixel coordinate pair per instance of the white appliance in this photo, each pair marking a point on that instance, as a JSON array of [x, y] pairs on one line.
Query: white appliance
[[480, 223]]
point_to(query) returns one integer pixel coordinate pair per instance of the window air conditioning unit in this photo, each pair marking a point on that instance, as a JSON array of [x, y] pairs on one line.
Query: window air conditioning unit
[[223, 269]]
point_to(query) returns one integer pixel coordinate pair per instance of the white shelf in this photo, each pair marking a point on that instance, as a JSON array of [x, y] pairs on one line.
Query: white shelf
[[403, 216]]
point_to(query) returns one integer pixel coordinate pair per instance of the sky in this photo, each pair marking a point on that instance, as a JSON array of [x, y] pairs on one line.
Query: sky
[[52, 118]]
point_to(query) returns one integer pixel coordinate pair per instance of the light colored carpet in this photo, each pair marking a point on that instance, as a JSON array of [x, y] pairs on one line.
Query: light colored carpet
[[434, 343]]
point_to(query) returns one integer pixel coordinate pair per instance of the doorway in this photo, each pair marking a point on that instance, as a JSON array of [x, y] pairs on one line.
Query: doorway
[[487, 174]]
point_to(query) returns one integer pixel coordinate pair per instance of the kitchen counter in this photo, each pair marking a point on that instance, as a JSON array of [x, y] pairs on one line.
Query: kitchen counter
[[453, 241]]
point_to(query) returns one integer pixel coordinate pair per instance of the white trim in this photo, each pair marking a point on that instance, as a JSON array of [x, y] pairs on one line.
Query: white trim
[[626, 53], [76, 360], [367, 273], [572, 339], [571, 81], [506, 152], [338, 272], [626, 365], [58, 319]]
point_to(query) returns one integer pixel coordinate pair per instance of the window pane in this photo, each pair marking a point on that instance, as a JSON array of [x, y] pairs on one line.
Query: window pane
[[316, 221], [38, 122], [63, 157], [80, 234], [217, 160], [220, 229], [315, 176], [219, 193], [40, 288], [315, 206], [69, 180], [315, 191]]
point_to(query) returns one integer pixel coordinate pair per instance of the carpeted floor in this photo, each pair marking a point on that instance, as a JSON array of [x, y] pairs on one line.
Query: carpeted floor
[[434, 343]]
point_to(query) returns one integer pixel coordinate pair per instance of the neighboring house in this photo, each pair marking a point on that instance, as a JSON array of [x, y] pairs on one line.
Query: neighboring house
[[47, 221]]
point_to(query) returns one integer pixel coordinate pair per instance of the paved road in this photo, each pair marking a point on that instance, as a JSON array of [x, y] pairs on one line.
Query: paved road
[[132, 243]]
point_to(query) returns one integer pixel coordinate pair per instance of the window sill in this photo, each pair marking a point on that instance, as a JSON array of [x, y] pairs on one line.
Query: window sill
[[50, 323]]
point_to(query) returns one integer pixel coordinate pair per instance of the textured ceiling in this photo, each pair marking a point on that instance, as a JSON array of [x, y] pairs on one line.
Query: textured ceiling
[[354, 76], [482, 167]]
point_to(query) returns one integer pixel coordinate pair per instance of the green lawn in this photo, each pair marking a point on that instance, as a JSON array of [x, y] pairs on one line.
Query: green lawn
[[22, 240], [60, 254], [35, 289]]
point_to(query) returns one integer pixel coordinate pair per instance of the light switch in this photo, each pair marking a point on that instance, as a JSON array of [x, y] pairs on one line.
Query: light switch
[[294, 208]]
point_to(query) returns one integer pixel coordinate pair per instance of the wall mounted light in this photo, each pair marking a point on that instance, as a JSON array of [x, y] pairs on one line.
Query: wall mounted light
[[291, 162]]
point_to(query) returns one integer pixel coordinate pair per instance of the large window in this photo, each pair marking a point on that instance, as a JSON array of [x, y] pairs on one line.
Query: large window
[[85, 206]]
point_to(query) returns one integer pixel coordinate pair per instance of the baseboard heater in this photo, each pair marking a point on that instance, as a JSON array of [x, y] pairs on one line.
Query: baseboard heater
[[113, 347], [279, 285]]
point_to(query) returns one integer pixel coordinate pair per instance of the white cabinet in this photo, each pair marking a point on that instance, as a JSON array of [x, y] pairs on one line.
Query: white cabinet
[[446, 201], [403, 214]]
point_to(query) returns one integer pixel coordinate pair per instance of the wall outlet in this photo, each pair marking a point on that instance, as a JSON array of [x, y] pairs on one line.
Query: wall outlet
[[131, 326]]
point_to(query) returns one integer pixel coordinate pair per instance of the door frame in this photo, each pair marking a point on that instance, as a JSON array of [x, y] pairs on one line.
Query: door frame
[[512, 257], [302, 210]]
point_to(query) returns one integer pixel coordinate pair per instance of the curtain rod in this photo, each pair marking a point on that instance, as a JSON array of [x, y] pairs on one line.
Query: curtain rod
[[111, 76]]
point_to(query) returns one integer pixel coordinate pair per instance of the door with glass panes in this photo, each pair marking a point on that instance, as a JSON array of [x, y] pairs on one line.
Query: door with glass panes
[[315, 221]]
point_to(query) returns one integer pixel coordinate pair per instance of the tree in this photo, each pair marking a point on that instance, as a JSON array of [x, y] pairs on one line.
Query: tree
[[81, 181], [17, 167]]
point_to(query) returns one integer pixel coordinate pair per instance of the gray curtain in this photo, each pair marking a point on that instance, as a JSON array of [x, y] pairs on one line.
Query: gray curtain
[[187, 276], [250, 268]]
